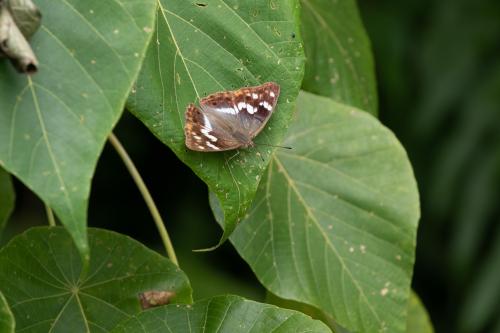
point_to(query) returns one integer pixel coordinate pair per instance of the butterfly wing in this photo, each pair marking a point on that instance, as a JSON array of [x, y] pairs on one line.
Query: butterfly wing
[[202, 135], [230, 119], [267, 97], [243, 112]]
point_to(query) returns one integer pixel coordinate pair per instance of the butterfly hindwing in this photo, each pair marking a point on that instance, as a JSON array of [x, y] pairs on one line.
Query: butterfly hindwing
[[201, 135]]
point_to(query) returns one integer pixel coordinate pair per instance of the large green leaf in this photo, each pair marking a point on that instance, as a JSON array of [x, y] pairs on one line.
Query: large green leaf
[[418, 319], [339, 58], [7, 323], [334, 220], [40, 277], [207, 46], [7, 197], [229, 314], [54, 124], [304, 308]]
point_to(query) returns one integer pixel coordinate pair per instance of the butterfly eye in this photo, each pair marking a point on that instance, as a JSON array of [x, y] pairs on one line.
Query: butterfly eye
[[214, 103]]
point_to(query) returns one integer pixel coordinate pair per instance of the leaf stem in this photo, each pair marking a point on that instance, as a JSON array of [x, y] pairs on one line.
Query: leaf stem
[[146, 195], [50, 216]]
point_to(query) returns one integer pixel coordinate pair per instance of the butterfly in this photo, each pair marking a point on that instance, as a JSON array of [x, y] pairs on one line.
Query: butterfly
[[230, 119]]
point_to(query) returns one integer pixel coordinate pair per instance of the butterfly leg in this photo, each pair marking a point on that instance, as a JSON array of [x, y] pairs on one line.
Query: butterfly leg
[[234, 179], [233, 156]]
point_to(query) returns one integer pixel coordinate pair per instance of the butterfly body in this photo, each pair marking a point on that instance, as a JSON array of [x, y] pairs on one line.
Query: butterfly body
[[231, 119]]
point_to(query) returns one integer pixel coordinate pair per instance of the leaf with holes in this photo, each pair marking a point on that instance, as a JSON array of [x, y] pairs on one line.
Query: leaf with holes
[[229, 314], [7, 198], [334, 220], [7, 323], [54, 124], [40, 275], [340, 61], [204, 47]]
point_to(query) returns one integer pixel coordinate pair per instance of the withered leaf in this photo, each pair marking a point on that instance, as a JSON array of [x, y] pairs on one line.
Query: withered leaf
[[26, 15], [153, 298], [19, 19]]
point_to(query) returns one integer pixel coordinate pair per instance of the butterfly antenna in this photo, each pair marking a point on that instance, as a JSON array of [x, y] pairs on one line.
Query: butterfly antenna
[[275, 146]]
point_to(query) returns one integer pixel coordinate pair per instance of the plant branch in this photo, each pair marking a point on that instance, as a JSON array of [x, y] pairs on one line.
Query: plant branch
[[147, 197], [50, 216]]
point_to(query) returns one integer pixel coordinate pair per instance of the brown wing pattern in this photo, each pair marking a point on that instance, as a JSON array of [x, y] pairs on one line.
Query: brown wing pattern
[[230, 119], [201, 136], [249, 97]]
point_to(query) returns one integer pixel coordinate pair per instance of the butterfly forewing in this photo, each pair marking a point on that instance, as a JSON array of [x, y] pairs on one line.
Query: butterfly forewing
[[233, 118]]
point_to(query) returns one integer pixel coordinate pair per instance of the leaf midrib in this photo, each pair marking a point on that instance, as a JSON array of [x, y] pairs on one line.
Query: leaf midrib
[[52, 156], [327, 240]]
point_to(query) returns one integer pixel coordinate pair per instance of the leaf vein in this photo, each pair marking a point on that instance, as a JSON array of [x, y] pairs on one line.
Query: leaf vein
[[327, 240]]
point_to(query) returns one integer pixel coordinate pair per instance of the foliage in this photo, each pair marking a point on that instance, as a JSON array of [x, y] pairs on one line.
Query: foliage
[[331, 223], [418, 320], [7, 198], [195, 318], [313, 233], [340, 63], [54, 124], [250, 45], [51, 292], [7, 323]]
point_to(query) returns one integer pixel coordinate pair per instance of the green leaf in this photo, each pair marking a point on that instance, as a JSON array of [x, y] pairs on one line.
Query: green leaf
[[7, 198], [53, 125], [340, 61], [208, 46], [305, 308], [7, 323], [40, 277], [229, 314], [19, 20], [418, 320], [334, 220]]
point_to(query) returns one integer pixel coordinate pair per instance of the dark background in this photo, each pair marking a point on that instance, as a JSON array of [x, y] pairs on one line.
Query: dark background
[[438, 71]]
